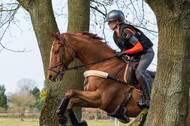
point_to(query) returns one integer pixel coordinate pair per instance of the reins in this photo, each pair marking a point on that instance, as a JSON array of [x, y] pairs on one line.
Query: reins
[[76, 67]]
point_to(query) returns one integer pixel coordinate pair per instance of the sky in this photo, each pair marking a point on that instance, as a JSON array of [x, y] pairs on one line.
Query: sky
[[15, 66]]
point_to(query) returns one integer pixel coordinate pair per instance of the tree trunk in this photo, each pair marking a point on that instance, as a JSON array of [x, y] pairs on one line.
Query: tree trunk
[[170, 92], [78, 20], [79, 15], [43, 22], [21, 116]]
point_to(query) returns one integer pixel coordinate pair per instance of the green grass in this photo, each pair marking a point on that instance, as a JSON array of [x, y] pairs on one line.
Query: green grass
[[18, 122], [103, 123], [35, 122]]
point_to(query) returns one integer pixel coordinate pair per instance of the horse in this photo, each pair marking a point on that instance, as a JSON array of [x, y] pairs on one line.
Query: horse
[[104, 84]]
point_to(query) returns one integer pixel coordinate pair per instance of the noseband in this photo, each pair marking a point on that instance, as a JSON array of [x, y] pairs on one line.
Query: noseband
[[59, 72]]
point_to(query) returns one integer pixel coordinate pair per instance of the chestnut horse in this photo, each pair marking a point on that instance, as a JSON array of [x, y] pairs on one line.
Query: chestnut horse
[[99, 92]]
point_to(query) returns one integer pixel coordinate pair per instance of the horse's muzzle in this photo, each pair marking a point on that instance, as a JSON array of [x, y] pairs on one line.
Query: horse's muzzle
[[50, 77], [55, 78]]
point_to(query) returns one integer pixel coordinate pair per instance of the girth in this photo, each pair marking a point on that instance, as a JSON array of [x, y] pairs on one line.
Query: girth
[[120, 111]]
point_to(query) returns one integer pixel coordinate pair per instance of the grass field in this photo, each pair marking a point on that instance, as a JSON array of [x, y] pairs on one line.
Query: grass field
[[17, 122], [35, 122]]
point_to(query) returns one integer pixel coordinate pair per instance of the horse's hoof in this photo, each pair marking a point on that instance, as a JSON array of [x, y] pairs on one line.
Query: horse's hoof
[[82, 123]]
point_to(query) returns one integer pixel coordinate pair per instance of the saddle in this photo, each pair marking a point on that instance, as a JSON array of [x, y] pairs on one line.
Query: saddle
[[130, 78]]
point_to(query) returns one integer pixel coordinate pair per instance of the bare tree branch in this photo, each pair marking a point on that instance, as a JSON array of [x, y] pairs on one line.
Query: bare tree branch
[[95, 8], [5, 22]]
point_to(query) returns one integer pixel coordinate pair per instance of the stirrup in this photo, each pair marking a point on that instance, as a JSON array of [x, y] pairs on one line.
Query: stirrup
[[142, 104]]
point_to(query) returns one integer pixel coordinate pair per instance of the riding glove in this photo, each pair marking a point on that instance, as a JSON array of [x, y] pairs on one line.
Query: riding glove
[[119, 54]]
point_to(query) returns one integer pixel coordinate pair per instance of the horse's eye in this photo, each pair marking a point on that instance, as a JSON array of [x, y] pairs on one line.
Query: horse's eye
[[56, 52]]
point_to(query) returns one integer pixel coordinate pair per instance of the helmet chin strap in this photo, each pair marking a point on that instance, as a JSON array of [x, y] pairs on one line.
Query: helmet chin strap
[[115, 27]]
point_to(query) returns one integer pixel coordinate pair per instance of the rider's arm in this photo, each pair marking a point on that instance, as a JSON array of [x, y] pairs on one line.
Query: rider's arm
[[129, 35], [137, 48]]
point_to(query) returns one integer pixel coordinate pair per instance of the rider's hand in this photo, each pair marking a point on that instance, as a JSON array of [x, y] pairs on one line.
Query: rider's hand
[[119, 54]]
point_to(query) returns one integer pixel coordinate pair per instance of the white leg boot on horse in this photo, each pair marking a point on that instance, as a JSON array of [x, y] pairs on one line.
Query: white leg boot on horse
[[144, 85]]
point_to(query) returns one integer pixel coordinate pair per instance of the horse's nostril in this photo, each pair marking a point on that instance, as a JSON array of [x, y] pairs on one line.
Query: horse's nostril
[[50, 77]]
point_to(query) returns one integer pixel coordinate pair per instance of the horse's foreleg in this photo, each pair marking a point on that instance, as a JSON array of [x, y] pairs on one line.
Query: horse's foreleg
[[83, 98], [61, 110], [91, 98], [81, 103], [74, 119], [85, 95]]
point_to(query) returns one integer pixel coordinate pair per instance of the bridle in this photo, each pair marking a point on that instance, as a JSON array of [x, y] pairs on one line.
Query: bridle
[[59, 72]]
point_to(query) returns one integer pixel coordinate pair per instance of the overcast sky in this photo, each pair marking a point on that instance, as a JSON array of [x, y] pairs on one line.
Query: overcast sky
[[15, 66]]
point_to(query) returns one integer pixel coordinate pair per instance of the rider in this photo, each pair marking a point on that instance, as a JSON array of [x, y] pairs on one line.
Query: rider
[[134, 43]]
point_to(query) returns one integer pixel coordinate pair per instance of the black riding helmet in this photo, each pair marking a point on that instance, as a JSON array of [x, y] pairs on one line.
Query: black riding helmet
[[115, 15]]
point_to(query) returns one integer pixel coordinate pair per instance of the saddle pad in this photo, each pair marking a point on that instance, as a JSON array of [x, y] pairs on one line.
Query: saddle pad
[[95, 73]]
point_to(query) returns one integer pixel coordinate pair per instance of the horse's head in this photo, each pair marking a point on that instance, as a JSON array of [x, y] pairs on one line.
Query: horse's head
[[60, 57]]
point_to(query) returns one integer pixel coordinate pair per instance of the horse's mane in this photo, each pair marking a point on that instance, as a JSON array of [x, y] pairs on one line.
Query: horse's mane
[[91, 35], [94, 38]]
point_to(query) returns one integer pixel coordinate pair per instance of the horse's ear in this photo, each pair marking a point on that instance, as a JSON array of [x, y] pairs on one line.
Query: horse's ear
[[53, 35]]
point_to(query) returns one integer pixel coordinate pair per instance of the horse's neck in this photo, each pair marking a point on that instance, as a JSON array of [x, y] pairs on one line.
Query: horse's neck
[[90, 52]]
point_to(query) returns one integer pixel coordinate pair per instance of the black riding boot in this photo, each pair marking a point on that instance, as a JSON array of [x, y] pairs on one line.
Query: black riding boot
[[144, 85]]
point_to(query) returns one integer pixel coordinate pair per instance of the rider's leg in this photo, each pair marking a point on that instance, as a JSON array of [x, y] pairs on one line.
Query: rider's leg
[[144, 62], [144, 85]]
